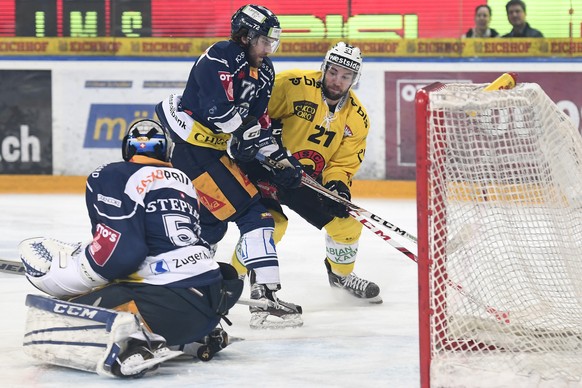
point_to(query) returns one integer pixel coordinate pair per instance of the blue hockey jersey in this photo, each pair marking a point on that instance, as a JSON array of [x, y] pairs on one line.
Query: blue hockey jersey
[[222, 90], [145, 225]]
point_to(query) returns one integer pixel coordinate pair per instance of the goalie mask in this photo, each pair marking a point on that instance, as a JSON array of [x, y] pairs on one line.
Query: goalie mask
[[148, 138], [255, 21], [346, 56]]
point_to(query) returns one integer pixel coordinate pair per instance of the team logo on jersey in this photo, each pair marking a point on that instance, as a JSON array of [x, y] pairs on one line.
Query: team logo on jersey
[[159, 267], [209, 202], [313, 161], [226, 80], [305, 109], [104, 243], [348, 132]]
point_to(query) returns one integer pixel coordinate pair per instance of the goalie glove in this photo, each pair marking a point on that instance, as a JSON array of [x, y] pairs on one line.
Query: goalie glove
[[243, 144], [57, 268], [335, 208], [290, 176]]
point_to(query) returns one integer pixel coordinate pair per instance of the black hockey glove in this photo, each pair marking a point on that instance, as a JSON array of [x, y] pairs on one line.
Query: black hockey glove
[[243, 144], [290, 176], [334, 208]]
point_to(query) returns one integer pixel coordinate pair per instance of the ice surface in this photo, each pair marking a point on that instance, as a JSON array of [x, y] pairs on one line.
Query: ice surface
[[343, 343]]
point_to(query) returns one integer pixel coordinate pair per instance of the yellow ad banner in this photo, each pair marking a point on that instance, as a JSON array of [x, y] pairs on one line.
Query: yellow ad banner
[[193, 47]]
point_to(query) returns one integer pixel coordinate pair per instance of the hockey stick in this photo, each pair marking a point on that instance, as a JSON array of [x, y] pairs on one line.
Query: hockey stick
[[362, 214], [17, 268], [500, 316], [314, 185], [377, 231], [13, 267], [452, 245]]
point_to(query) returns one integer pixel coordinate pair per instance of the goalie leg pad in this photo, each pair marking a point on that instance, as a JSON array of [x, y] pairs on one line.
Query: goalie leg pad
[[87, 338]]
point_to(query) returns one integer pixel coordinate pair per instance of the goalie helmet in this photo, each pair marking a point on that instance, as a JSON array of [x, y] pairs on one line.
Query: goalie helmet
[[258, 20], [346, 56], [149, 138]]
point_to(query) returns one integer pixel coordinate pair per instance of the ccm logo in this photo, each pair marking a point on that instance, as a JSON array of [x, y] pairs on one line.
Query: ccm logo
[[74, 310]]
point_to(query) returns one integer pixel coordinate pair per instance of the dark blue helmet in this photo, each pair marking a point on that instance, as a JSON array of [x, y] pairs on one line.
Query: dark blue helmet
[[258, 20], [149, 138]]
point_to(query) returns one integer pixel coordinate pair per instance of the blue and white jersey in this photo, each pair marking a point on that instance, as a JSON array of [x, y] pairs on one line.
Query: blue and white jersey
[[223, 89], [145, 225]]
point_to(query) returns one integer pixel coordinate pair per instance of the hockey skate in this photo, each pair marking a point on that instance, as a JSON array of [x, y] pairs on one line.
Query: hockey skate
[[206, 348], [355, 285], [271, 312], [141, 356]]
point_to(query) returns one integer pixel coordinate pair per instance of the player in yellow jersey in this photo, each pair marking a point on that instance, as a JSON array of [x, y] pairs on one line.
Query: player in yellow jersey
[[323, 124]]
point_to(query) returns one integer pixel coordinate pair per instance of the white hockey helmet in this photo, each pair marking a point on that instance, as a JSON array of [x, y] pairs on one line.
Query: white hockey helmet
[[346, 56]]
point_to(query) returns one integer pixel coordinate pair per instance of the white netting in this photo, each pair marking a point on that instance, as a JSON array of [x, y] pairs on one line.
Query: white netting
[[505, 235]]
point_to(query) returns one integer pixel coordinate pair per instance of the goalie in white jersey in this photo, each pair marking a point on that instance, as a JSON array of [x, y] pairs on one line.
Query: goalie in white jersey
[[147, 269]]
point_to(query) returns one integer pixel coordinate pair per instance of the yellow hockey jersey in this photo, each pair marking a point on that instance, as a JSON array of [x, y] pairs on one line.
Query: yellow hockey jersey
[[332, 144]]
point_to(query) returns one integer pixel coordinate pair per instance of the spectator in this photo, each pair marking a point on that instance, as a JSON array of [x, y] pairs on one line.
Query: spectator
[[516, 15], [482, 20]]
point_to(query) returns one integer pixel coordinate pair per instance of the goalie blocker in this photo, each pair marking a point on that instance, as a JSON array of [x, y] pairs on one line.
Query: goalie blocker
[[91, 339]]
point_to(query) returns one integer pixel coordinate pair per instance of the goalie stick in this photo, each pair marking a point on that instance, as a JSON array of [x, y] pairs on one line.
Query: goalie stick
[[17, 268], [365, 214], [13, 267]]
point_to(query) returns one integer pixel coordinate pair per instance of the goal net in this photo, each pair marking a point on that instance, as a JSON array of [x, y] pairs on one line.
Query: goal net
[[499, 180]]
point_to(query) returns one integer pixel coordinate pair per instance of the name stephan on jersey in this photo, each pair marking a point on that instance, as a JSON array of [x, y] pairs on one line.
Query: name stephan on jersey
[[171, 204]]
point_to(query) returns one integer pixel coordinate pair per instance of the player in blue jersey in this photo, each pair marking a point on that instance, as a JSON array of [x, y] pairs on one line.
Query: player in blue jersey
[[146, 257], [221, 120]]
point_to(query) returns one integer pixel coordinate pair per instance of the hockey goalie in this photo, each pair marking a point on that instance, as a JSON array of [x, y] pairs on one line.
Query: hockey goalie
[[145, 288]]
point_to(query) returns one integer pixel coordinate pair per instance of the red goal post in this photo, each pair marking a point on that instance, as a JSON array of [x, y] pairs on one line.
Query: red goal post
[[499, 201]]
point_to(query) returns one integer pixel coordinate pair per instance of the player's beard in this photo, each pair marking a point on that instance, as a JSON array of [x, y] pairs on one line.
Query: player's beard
[[253, 57], [256, 62], [330, 95]]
